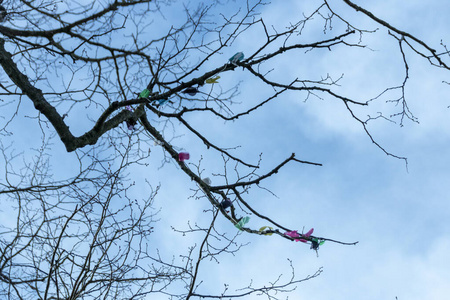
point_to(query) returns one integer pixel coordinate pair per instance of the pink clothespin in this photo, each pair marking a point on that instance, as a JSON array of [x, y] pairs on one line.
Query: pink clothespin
[[308, 234], [182, 156], [293, 234]]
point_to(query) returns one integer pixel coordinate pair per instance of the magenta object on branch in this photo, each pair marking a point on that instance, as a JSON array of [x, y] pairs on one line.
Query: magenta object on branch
[[182, 156], [293, 234], [309, 232]]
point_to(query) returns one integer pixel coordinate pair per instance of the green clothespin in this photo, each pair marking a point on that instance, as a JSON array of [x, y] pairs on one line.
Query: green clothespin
[[212, 80], [144, 94], [242, 222], [261, 230]]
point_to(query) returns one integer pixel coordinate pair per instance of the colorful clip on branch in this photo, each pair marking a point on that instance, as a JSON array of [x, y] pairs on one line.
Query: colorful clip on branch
[[242, 222], [207, 180], [130, 123], [236, 58], [262, 229], [144, 94], [293, 234], [315, 243], [226, 203], [307, 235], [162, 101], [190, 91], [182, 156], [212, 80]]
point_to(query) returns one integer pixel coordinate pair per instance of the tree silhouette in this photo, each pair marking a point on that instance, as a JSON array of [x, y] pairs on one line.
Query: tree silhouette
[[110, 80]]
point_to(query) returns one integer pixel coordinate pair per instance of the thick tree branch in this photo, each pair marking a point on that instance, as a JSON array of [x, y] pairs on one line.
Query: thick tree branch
[[262, 177], [41, 104]]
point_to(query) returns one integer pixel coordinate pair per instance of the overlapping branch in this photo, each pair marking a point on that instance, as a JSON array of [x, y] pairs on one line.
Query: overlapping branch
[[152, 81]]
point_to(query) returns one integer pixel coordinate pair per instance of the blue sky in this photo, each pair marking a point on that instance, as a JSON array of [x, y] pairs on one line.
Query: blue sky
[[398, 213]]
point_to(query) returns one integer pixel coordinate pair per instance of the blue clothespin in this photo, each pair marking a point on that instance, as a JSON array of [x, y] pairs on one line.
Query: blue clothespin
[[162, 101]]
